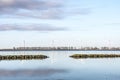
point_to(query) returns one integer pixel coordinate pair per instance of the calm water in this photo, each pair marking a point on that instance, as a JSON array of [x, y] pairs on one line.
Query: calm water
[[60, 67]]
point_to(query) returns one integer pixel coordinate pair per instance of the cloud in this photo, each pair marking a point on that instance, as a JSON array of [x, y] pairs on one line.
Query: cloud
[[78, 11], [46, 14], [20, 7], [82, 11], [29, 4], [42, 9], [32, 27]]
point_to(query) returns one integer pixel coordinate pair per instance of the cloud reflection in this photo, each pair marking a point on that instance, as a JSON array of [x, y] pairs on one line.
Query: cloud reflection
[[31, 72]]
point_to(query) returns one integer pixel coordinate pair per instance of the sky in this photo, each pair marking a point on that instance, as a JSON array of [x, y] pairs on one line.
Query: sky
[[78, 23]]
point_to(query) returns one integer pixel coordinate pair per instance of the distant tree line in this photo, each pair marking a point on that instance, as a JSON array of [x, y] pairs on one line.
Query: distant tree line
[[66, 48], [61, 48]]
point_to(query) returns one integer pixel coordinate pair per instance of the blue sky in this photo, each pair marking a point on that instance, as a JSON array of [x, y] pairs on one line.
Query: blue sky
[[66, 22]]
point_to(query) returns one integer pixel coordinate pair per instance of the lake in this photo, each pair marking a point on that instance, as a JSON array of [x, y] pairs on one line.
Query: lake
[[59, 66]]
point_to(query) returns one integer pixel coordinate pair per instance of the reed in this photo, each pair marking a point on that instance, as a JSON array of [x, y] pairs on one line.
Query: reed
[[22, 57], [77, 56]]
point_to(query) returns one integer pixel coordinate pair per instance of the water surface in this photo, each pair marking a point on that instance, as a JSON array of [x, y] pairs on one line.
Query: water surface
[[60, 67]]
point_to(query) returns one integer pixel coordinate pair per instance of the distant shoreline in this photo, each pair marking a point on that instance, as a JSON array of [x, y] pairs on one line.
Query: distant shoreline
[[58, 50], [62, 49]]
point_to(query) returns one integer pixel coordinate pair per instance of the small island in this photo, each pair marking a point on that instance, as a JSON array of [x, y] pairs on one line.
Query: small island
[[22, 57], [79, 56]]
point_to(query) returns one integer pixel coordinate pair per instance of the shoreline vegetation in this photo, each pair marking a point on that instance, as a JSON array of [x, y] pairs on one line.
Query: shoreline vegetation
[[22, 57], [62, 49], [80, 56]]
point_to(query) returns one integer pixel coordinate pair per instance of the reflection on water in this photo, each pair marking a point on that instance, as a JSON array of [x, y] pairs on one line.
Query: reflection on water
[[61, 67], [30, 72]]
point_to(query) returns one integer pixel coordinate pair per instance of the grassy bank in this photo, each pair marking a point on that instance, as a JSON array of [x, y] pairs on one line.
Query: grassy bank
[[22, 57], [77, 56]]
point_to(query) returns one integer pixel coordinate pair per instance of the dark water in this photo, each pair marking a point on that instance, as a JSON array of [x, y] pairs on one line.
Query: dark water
[[61, 67]]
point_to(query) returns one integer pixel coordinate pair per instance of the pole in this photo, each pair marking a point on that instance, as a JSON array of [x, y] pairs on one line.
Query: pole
[[24, 44]]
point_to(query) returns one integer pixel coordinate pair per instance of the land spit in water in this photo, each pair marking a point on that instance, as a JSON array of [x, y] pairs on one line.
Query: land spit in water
[[22, 57], [78, 56]]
